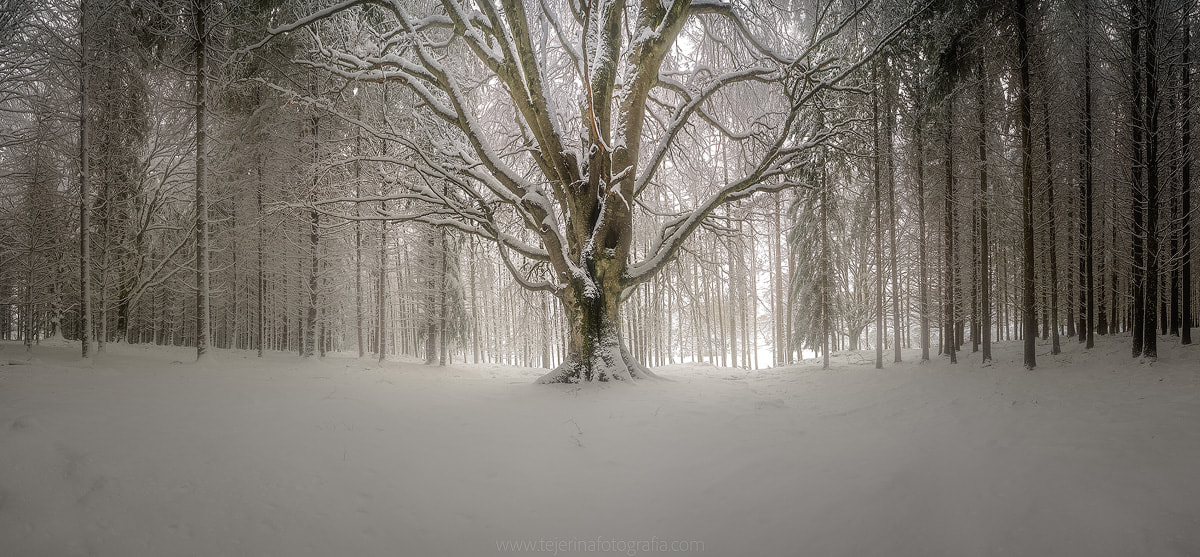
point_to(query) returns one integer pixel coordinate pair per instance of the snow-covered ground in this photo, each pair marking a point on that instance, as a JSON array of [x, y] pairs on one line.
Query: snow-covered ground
[[1089, 455]]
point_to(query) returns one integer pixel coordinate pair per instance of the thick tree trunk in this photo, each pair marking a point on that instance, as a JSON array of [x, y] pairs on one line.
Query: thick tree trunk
[[595, 349]]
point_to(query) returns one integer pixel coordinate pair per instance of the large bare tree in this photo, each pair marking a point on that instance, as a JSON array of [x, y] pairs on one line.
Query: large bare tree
[[568, 120]]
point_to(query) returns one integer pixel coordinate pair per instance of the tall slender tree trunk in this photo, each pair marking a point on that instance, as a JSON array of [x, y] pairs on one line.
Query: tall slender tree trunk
[[879, 272], [889, 129], [358, 266], [1150, 347], [780, 318], [85, 217], [923, 271], [261, 320], [826, 269], [381, 292], [948, 325], [309, 336], [203, 326], [381, 282], [1027, 283], [985, 269], [1138, 233], [1052, 247], [1185, 226], [1088, 184]]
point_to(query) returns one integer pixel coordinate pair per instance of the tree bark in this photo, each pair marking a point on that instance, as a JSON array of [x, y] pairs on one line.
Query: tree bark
[[203, 326], [948, 325], [1138, 233], [1088, 184], [85, 225], [1185, 226], [919, 143], [880, 275], [1055, 342], [1027, 283], [985, 279], [1150, 338]]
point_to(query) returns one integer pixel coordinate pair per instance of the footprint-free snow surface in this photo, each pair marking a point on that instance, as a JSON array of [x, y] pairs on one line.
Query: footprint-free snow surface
[[133, 454]]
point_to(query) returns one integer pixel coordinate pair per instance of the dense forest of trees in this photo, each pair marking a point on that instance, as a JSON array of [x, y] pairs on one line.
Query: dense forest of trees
[[597, 187]]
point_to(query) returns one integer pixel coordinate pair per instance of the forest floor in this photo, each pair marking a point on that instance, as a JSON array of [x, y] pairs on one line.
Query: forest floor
[[133, 454]]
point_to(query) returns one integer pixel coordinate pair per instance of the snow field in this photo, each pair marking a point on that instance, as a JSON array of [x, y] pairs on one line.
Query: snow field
[[1091, 454]]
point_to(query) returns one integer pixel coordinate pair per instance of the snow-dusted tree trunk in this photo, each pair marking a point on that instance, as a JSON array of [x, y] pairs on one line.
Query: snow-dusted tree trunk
[[1029, 316], [85, 219], [985, 248], [203, 289], [1185, 232]]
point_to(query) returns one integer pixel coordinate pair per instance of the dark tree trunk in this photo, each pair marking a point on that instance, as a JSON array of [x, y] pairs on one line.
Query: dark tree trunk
[[1027, 283], [919, 142], [985, 279], [1150, 347], [308, 342], [948, 325], [1185, 229], [1056, 345], [889, 128], [85, 226], [1137, 121], [826, 271], [199, 9], [261, 319], [1088, 193], [877, 195], [595, 349]]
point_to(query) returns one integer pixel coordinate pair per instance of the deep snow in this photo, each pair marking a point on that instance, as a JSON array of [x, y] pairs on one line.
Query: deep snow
[[1090, 455]]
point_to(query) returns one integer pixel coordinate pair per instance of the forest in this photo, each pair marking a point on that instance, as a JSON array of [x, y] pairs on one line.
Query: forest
[[597, 187], [598, 277]]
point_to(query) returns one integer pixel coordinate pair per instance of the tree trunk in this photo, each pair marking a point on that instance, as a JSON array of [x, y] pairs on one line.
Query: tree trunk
[[85, 225], [919, 141], [199, 9], [985, 279], [1150, 339], [1089, 193], [309, 339], [1055, 342], [889, 125], [1185, 232], [826, 269], [595, 349], [260, 246], [358, 267], [1138, 234], [1027, 283], [948, 325], [877, 195]]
